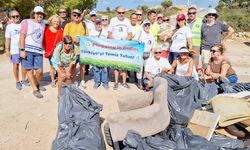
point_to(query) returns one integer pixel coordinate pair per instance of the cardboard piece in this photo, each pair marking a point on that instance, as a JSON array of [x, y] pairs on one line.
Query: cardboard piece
[[203, 123], [222, 131]]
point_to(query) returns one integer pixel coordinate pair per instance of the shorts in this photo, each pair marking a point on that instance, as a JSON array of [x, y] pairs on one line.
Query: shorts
[[15, 58], [77, 59], [205, 57], [33, 61]]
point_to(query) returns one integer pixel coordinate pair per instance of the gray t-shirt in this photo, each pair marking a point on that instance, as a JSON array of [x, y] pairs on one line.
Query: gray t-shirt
[[212, 34]]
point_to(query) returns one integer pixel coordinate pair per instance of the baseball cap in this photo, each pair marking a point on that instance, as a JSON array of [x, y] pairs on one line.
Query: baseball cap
[[98, 20], [146, 22], [77, 11], [38, 9], [192, 7], [183, 50], [180, 17], [92, 13]]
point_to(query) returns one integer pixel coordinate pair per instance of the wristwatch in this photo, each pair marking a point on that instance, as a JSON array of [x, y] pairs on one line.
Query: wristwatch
[[22, 49]]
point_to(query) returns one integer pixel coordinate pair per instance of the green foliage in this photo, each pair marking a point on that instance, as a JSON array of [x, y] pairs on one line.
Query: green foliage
[[1, 38], [166, 3], [111, 64], [237, 18]]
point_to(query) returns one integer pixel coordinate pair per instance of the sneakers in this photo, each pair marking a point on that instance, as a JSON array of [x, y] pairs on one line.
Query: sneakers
[[106, 86], [83, 84], [37, 94], [18, 86], [41, 88], [25, 82], [96, 85], [115, 87], [125, 85]]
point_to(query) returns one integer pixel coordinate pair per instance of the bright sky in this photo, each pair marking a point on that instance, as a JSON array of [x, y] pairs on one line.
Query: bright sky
[[132, 4]]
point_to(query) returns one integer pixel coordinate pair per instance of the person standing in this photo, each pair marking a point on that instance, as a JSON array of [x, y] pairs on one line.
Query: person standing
[[120, 29], [195, 25], [31, 39], [100, 73], [12, 35], [212, 33], [77, 28], [53, 34], [148, 39], [181, 38], [63, 15], [154, 27], [105, 22], [139, 14], [136, 28]]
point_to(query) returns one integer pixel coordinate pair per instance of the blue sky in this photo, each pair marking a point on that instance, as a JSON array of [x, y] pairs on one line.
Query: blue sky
[[132, 4]]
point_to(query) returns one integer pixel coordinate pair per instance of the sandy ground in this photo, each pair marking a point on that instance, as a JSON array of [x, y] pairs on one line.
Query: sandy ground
[[27, 123]]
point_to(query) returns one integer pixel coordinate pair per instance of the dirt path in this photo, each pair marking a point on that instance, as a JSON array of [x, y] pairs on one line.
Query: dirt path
[[28, 123]]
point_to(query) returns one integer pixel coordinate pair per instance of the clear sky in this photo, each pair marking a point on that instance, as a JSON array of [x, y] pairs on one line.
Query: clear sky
[[132, 4]]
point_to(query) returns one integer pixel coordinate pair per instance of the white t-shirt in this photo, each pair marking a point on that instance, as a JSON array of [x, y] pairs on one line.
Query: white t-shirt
[[179, 39], [154, 66], [120, 28], [90, 25], [135, 31], [13, 32], [147, 39], [99, 34]]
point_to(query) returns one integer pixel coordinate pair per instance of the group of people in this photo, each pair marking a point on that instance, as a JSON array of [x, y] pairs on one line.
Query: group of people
[[176, 50]]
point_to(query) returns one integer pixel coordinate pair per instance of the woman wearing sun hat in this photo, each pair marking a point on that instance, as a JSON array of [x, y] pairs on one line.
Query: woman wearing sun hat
[[181, 38], [184, 65]]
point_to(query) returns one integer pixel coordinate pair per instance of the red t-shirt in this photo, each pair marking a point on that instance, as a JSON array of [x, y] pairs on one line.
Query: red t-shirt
[[50, 40]]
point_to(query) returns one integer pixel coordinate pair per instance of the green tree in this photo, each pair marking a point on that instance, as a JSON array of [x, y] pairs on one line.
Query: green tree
[[144, 8], [166, 4]]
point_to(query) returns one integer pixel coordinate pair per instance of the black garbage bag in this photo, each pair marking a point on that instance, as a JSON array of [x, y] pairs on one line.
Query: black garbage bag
[[207, 91], [226, 142], [233, 88], [182, 97], [134, 141], [79, 122]]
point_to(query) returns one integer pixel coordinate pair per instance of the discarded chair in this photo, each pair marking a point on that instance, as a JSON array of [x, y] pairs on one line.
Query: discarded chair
[[146, 113]]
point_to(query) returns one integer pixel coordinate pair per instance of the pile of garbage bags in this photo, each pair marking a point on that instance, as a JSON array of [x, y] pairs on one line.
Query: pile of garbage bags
[[79, 121]]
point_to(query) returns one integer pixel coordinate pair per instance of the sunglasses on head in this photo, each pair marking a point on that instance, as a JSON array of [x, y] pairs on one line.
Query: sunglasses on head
[[213, 51], [121, 12], [69, 43], [212, 14], [191, 13], [139, 14], [164, 20], [15, 16], [76, 15], [62, 12], [157, 52]]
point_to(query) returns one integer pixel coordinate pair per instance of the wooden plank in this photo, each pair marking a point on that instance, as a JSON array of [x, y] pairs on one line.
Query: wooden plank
[[203, 123]]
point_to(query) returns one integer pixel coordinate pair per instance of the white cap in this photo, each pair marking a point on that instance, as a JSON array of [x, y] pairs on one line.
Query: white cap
[[38, 9], [192, 6], [183, 50], [212, 11], [92, 13], [146, 22]]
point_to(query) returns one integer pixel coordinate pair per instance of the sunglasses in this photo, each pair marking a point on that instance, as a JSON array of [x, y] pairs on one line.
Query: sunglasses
[[157, 52], [76, 15], [192, 13], [62, 12], [164, 20], [213, 51], [69, 43], [139, 14], [121, 12], [104, 19], [212, 15], [15, 16]]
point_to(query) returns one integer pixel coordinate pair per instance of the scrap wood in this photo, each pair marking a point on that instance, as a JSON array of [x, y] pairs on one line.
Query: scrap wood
[[203, 123], [231, 109], [222, 131]]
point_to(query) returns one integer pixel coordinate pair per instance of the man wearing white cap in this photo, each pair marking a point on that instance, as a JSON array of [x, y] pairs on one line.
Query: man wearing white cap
[[31, 49], [195, 25], [212, 31]]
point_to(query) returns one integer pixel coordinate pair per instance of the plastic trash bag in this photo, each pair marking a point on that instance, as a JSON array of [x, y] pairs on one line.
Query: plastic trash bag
[[234, 88], [79, 122], [226, 142]]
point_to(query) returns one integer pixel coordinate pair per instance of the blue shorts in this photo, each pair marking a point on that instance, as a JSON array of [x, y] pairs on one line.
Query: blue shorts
[[33, 61], [232, 78], [77, 59], [15, 58]]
